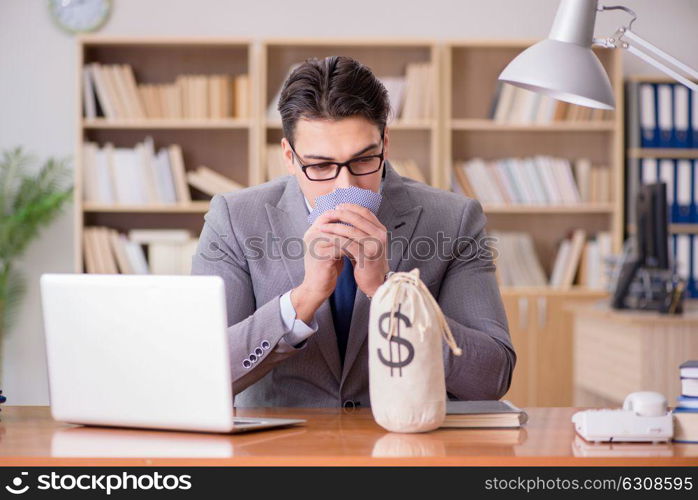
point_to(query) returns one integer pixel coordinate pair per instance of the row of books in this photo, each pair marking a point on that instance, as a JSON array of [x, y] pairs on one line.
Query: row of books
[[579, 260], [141, 176], [686, 412], [681, 179], [684, 248], [586, 260], [277, 168], [411, 96], [169, 251], [513, 104], [539, 180], [111, 91], [662, 115]]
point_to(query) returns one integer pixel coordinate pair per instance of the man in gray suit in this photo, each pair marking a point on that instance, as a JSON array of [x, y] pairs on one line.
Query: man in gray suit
[[298, 295]]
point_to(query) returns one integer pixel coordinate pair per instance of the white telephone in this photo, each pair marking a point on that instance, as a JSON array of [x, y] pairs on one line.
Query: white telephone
[[644, 418]]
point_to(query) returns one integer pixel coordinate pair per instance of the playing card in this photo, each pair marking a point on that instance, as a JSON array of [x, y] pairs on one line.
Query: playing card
[[352, 194]]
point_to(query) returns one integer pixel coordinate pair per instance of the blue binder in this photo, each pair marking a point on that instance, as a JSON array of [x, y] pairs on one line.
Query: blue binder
[[647, 97], [693, 120], [694, 192], [684, 188], [665, 115], [682, 109]]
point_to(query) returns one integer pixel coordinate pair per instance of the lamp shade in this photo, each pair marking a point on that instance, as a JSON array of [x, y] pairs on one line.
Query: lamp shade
[[563, 66]]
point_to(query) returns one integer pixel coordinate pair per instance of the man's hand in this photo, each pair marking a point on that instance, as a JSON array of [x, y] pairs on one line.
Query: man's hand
[[365, 243], [323, 261]]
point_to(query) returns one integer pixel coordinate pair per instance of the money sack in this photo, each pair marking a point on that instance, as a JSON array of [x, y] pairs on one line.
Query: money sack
[[405, 362]]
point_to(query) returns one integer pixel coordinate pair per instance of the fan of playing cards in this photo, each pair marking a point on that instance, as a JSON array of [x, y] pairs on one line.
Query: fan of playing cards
[[364, 197]]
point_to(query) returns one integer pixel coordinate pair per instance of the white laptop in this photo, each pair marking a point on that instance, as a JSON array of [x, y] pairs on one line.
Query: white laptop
[[141, 351]]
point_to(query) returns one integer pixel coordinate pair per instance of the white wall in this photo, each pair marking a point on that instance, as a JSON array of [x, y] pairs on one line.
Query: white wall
[[37, 69]]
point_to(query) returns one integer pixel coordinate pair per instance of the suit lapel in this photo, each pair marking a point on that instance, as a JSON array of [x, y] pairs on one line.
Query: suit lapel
[[288, 220], [399, 216]]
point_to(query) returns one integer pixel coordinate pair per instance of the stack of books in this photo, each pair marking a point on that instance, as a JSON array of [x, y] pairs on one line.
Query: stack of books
[[111, 91], [169, 251], [538, 180], [686, 412], [520, 106], [141, 176]]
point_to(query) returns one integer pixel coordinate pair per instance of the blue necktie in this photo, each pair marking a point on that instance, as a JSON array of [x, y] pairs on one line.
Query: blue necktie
[[342, 305]]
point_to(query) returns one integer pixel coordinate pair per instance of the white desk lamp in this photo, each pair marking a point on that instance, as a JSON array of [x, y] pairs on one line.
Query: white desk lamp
[[564, 67]]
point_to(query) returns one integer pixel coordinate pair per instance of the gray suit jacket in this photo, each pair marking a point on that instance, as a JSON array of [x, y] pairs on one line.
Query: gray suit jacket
[[253, 240]]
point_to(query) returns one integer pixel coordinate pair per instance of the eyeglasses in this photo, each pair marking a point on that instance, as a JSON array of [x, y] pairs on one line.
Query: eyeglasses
[[328, 170]]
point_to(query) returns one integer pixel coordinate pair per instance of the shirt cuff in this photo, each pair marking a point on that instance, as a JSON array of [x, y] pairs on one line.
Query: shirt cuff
[[296, 330]]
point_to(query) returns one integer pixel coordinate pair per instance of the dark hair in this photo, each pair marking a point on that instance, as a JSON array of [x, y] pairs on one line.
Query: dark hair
[[332, 88]]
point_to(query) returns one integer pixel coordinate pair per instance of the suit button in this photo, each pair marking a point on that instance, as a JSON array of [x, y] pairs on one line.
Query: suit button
[[258, 351], [246, 363], [265, 345], [351, 404], [253, 358]]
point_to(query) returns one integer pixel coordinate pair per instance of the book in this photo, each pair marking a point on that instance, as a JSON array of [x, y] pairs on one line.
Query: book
[[578, 240], [689, 387], [395, 86], [211, 182], [179, 173], [483, 414], [687, 402], [689, 369], [560, 263], [685, 425], [118, 247]]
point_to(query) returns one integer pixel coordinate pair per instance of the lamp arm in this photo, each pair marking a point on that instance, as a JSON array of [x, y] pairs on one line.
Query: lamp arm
[[623, 38]]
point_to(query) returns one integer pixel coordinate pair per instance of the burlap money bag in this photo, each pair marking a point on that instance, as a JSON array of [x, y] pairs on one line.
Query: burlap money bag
[[405, 360]]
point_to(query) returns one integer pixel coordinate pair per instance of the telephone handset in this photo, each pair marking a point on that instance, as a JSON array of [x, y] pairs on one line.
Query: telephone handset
[[646, 404], [644, 417]]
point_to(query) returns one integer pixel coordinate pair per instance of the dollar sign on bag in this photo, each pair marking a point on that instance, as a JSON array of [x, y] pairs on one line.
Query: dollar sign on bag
[[400, 363]]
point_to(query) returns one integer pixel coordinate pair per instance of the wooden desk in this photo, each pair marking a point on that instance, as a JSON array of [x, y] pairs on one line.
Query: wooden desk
[[619, 352], [28, 436]]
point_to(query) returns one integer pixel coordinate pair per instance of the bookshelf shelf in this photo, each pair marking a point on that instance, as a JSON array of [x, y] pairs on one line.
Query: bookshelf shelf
[[193, 207], [490, 125], [663, 153], [100, 123], [550, 209]]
